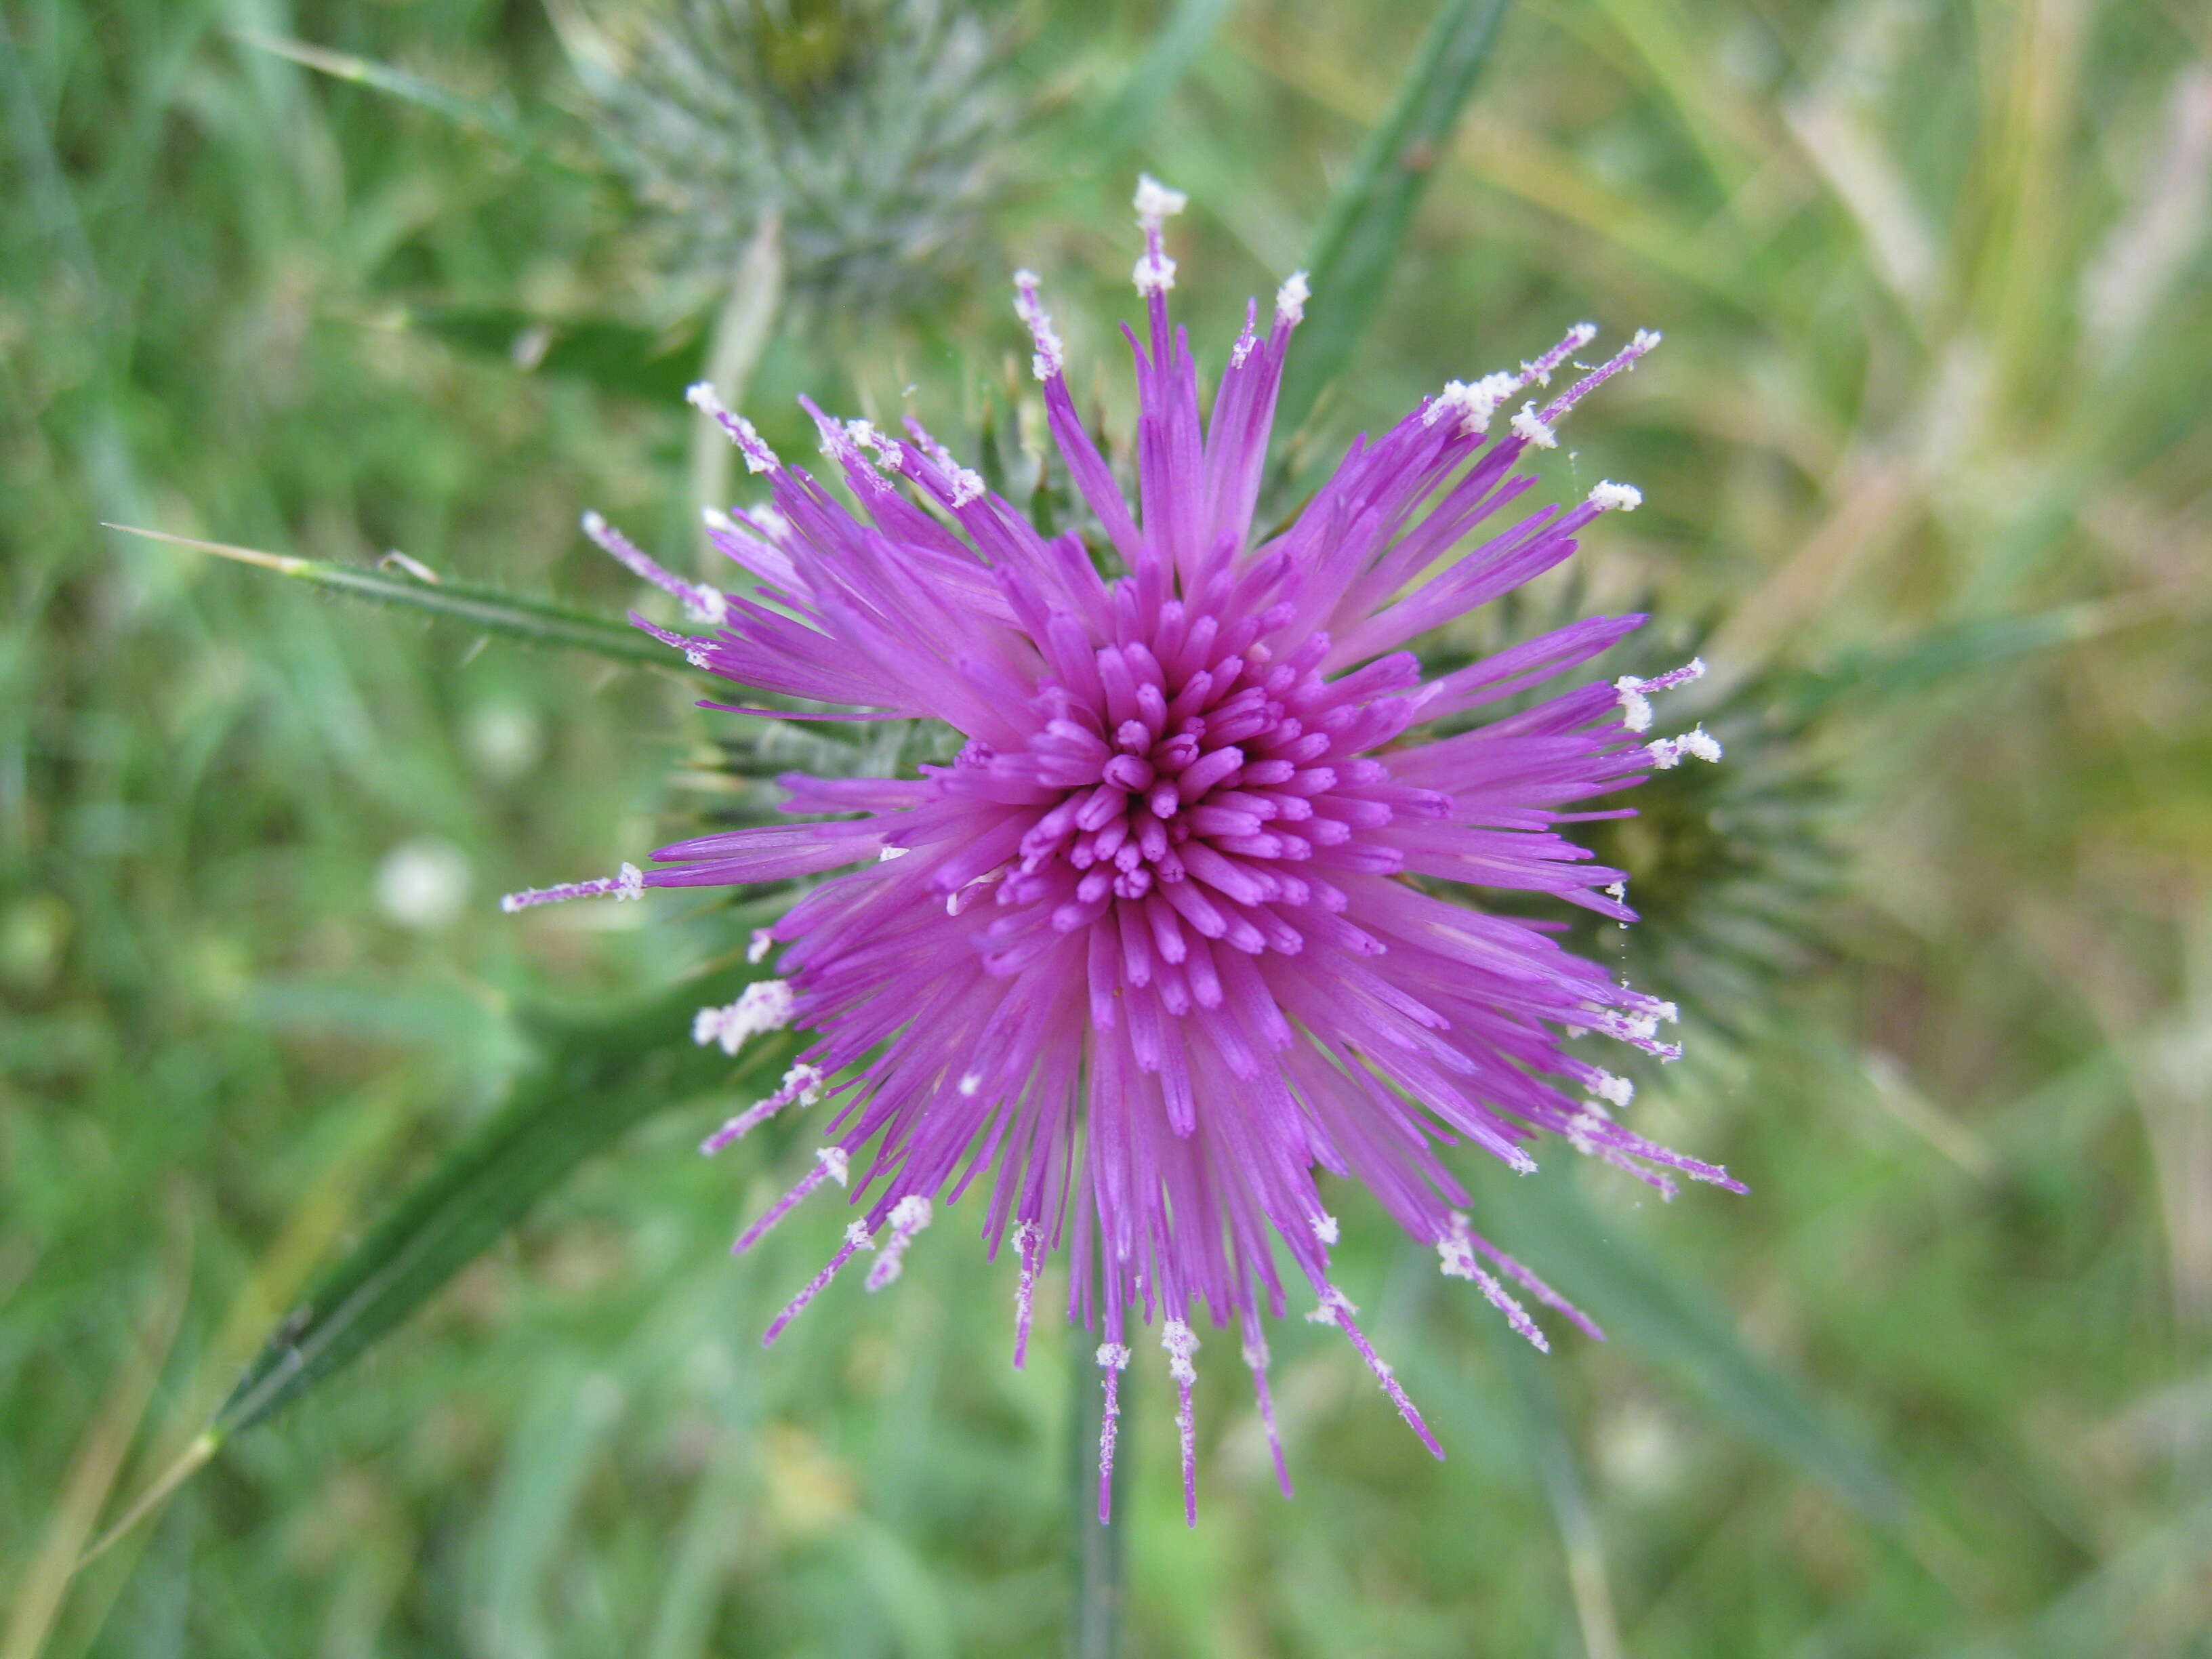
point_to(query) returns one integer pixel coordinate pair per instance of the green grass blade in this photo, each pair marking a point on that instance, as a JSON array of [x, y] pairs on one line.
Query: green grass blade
[[1548, 1444], [592, 1080], [1632, 1293], [495, 120], [1366, 227], [1123, 121]]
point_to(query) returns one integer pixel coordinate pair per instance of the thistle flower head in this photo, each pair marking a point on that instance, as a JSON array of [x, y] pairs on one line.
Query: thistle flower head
[[1172, 933]]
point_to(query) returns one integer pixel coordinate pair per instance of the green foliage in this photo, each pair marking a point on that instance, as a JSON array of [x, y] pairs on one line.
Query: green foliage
[[1364, 233], [587, 1080]]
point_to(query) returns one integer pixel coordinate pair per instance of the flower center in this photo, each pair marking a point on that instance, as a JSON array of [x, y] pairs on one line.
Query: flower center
[[1190, 779]]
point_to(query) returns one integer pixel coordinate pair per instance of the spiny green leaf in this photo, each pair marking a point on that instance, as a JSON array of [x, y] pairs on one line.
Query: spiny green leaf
[[591, 1079], [1368, 217], [487, 610], [1633, 1295]]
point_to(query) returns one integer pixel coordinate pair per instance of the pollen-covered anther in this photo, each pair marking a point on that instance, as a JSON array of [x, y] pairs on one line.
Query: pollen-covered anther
[[758, 457], [908, 1216], [835, 1164], [766, 1005], [629, 883], [1324, 1228], [1181, 1343], [701, 602], [1668, 753], [1051, 353], [1029, 1247], [1456, 1248], [1610, 497], [889, 455], [1616, 1092], [1291, 298], [1155, 203], [1530, 427], [1635, 706], [1335, 1307], [1155, 273], [1473, 404], [760, 945], [802, 1085]]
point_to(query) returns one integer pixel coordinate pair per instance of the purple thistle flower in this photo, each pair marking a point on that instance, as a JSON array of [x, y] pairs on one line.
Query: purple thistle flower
[[1165, 939]]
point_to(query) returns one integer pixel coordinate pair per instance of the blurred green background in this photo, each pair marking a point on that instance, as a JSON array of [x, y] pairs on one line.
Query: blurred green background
[[1925, 457]]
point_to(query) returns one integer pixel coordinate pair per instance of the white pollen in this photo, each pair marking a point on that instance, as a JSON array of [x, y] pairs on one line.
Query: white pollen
[[766, 1005], [762, 942], [1608, 496], [856, 1234], [884, 855], [1181, 1342], [1334, 1303], [912, 1213], [1530, 427], [1635, 706], [835, 1162], [759, 458], [1324, 1228], [1618, 1089], [1645, 339], [1155, 203], [1114, 1356], [967, 486], [1291, 298], [1154, 274], [970, 1084], [715, 519], [697, 656], [1668, 752], [802, 1083], [1051, 355]]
